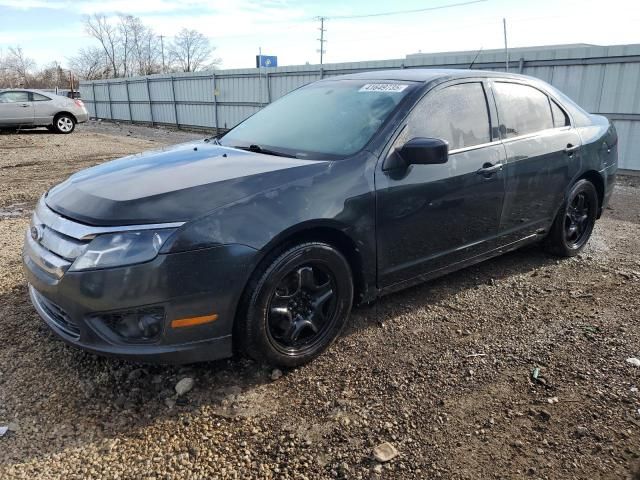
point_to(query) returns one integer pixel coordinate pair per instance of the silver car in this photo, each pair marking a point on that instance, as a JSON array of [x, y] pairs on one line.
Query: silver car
[[20, 108]]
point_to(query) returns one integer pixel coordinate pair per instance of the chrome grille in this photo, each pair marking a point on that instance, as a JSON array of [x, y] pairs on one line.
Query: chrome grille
[[63, 246], [51, 234], [49, 242], [35, 254]]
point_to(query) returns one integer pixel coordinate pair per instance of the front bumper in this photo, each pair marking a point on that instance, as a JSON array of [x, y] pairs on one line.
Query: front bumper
[[184, 285]]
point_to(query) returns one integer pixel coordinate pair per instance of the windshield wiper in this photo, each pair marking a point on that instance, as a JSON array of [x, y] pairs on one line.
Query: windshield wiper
[[258, 149]]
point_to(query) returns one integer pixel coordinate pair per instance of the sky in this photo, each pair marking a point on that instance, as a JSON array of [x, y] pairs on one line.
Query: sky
[[52, 30]]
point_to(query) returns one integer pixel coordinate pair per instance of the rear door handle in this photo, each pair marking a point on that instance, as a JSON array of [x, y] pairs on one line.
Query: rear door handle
[[488, 168], [571, 148], [25, 105]]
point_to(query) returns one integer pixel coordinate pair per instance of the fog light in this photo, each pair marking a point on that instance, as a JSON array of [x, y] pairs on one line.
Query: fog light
[[139, 325], [150, 325]]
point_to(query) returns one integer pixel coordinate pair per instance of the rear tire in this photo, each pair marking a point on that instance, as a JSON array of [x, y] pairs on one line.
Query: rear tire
[[64, 124], [296, 305], [574, 222]]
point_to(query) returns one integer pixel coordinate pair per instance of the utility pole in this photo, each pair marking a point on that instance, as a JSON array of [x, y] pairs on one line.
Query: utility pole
[[260, 75], [162, 50], [506, 48], [321, 39]]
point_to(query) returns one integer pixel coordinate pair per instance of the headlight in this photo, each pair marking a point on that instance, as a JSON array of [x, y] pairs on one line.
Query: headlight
[[124, 248]]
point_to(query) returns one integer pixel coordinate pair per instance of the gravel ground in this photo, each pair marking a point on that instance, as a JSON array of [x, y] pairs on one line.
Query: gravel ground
[[441, 371]]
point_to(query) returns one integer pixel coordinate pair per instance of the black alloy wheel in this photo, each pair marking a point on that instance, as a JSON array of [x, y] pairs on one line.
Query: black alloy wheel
[[302, 308], [574, 222], [296, 305]]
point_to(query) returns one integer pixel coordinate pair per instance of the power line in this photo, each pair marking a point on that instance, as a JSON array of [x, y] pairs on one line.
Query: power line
[[400, 12], [322, 19]]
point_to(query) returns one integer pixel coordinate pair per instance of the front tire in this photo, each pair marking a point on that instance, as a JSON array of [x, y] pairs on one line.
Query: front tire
[[574, 222], [296, 306], [64, 124]]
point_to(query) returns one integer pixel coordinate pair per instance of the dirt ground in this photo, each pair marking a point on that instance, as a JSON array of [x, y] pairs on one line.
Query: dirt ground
[[442, 371]]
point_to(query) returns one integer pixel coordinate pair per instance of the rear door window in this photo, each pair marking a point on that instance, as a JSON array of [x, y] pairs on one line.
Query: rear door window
[[522, 109], [457, 114]]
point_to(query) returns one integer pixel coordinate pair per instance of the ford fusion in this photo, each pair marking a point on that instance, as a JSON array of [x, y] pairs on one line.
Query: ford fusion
[[340, 192]]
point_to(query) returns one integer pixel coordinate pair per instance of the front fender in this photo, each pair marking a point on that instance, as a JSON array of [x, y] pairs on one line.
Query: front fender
[[341, 196]]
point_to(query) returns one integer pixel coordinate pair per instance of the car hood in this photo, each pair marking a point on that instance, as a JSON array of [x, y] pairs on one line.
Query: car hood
[[173, 184]]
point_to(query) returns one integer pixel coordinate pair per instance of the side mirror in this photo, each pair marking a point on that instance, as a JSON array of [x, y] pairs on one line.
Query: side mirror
[[419, 151], [424, 151]]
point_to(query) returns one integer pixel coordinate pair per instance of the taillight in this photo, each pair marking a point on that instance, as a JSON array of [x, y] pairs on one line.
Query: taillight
[[79, 103]]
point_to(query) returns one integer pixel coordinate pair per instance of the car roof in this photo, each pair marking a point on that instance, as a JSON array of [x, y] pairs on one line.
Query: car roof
[[33, 90], [425, 75]]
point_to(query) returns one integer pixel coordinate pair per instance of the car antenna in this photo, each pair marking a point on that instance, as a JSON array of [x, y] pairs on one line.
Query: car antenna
[[475, 58]]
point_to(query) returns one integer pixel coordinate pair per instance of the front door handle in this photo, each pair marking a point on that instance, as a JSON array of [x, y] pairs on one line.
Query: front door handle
[[489, 168], [570, 149]]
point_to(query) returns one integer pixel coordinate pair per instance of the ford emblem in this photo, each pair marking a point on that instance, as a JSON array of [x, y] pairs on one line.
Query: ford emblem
[[36, 233]]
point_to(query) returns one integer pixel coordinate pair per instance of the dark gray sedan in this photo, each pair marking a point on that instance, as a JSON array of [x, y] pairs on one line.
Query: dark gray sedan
[[340, 192]]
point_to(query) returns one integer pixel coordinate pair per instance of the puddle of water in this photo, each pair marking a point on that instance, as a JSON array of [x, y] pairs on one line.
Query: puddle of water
[[17, 210]]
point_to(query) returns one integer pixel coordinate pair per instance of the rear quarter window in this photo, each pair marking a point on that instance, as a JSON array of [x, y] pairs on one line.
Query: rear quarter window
[[522, 109], [560, 118], [40, 98]]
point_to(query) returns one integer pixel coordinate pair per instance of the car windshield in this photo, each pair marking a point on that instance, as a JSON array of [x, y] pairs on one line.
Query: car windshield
[[324, 120]]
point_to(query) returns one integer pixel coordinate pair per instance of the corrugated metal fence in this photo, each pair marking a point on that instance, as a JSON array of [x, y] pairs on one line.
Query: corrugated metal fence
[[604, 80]]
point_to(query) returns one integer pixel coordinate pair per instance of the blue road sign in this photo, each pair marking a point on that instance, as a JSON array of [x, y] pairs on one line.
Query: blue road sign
[[266, 61]]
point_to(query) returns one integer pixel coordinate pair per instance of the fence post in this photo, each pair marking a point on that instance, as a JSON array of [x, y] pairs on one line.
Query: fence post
[[175, 105], [109, 97], [126, 86], [149, 99], [95, 104], [268, 88], [215, 102], [521, 65]]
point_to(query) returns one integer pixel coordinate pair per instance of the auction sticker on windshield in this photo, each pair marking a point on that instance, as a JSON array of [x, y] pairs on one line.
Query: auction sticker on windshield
[[383, 87]]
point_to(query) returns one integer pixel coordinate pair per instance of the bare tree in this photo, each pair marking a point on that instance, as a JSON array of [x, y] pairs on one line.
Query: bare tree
[[128, 47], [19, 70], [107, 34], [145, 51], [125, 29], [88, 63], [49, 76], [190, 51], [16, 68], [4, 71]]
